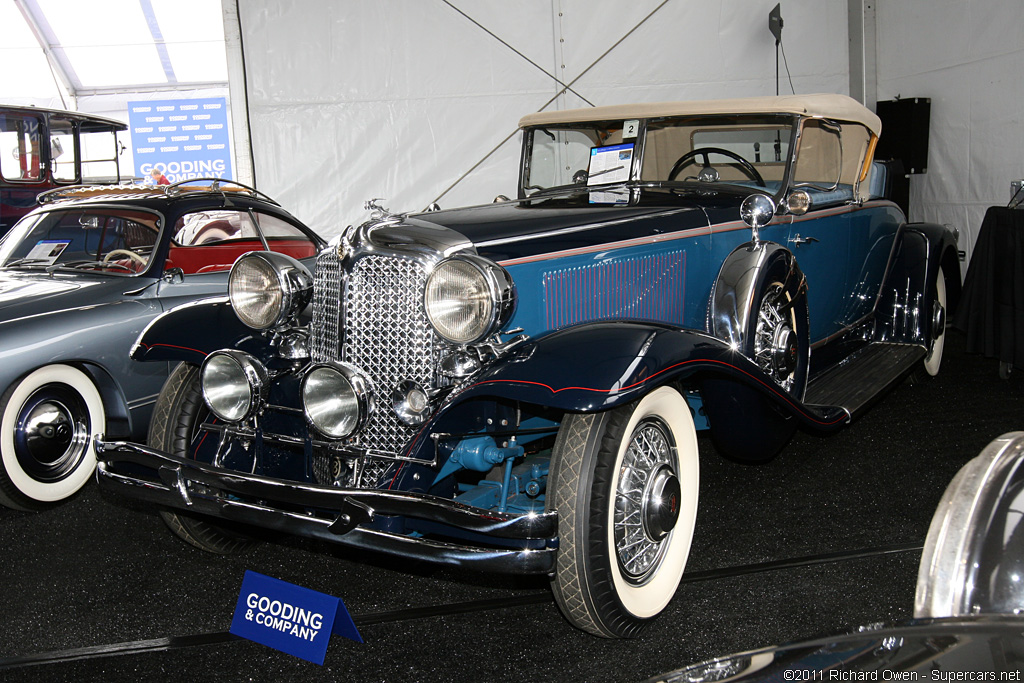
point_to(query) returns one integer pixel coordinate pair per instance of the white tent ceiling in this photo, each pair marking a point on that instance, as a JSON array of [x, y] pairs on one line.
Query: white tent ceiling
[[412, 100], [71, 48]]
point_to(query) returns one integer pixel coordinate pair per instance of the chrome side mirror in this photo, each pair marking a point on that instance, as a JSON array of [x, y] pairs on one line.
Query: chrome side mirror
[[757, 211], [173, 275]]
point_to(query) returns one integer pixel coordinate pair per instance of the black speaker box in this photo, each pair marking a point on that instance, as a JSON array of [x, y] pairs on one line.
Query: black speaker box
[[905, 132]]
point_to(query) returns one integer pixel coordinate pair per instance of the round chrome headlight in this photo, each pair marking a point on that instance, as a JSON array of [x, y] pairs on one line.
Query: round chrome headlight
[[336, 399], [468, 298], [267, 288], [233, 384]]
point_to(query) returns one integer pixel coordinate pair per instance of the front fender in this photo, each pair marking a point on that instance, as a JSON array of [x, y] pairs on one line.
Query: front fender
[[191, 332], [598, 366], [734, 299]]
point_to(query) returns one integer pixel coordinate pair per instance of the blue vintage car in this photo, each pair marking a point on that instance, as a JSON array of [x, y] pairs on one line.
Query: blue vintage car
[[80, 277], [517, 386]]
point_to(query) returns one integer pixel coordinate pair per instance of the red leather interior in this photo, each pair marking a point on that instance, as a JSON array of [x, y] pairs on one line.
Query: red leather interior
[[221, 256]]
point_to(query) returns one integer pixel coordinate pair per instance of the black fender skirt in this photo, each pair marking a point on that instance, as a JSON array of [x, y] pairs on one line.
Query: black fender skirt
[[598, 366], [191, 332]]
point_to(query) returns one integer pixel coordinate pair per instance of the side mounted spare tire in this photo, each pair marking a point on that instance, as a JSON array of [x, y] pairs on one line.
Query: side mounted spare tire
[[759, 305]]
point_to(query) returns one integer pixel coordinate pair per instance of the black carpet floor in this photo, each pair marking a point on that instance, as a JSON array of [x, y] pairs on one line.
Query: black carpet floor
[[96, 590]]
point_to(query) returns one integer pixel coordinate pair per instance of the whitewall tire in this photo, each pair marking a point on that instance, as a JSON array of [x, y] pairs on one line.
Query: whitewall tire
[[47, 423], [933, 361], [625, 486]]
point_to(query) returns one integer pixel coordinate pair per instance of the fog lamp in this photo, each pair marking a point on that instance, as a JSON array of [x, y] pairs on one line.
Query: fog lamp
[[233, 384], [336, 399]]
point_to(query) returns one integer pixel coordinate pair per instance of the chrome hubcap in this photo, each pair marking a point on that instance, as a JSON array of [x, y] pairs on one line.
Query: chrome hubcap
[[776, 345], [938, 319], [647, 501], [661, 504], [52, 433]]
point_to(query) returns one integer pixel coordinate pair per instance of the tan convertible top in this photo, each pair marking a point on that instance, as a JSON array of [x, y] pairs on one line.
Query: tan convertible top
[[837, 107]]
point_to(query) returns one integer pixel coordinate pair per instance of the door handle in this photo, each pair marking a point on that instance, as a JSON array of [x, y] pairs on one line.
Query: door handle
[[798, 240]]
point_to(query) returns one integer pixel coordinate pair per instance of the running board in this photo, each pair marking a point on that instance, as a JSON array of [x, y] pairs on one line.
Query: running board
[[864, 376]]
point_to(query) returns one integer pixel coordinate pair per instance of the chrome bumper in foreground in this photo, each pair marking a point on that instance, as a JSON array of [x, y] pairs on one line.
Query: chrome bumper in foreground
[[219, 490]]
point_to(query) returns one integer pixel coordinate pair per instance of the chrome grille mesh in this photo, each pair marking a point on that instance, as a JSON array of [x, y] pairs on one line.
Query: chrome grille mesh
[[326, 306], [387, 334], [383, 331]]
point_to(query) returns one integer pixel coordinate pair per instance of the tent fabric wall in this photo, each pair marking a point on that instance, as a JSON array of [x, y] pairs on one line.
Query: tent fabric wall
[[399, 98], [968, 57]]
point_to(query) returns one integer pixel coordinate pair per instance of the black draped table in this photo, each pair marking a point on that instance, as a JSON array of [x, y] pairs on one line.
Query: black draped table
[[991, 309]]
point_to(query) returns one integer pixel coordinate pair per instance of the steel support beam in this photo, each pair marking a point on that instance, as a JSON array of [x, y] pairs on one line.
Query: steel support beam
[[64, 73], [238, 91], [863, 57]]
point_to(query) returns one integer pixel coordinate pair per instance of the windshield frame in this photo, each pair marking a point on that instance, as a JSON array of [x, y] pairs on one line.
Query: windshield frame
[[15, 237], [792, 122]]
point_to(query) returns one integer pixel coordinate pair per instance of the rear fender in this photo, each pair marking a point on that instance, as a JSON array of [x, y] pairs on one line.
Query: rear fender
[[906, 297]]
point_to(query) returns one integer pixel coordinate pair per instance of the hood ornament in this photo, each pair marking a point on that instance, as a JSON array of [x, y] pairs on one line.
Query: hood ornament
[[377, 211]]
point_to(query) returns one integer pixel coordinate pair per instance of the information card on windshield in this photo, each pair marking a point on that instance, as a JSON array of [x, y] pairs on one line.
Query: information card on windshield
[[47, 250], [610, 164]]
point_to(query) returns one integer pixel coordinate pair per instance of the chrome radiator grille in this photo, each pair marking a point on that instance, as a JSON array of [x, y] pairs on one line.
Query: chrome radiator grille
[[326, 307], [384, 331]]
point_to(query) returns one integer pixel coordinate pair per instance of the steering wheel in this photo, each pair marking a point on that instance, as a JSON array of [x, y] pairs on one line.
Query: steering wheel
[[124, 252], [745, 166]]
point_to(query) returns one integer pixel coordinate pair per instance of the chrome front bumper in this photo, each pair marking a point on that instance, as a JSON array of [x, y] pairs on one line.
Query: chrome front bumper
[[219, 494]]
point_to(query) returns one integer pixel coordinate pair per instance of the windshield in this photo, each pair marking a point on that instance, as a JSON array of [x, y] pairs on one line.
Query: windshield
[[747, 149], [103, 239]]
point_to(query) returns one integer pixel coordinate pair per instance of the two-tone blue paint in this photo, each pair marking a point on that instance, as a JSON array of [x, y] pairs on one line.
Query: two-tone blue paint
[[576, 262], [610, 320]]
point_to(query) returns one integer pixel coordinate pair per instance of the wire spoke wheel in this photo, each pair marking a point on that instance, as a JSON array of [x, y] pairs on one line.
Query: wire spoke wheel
[[625, 485], [776, 345], [646, 501]]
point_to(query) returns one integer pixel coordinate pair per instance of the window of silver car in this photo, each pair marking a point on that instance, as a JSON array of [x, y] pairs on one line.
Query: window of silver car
[[215, 226], [102, 239], [210, 241]]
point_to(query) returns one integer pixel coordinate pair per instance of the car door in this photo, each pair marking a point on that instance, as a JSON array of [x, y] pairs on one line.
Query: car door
[[820, 242]]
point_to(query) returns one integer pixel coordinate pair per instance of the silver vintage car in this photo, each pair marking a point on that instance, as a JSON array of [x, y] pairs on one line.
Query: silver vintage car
[[80, 277]]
